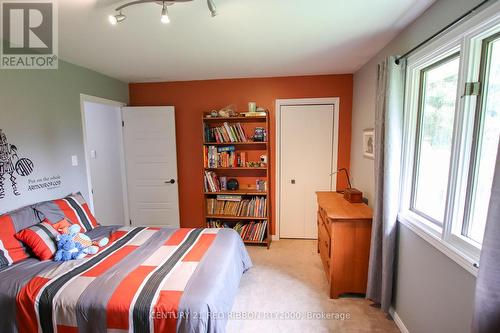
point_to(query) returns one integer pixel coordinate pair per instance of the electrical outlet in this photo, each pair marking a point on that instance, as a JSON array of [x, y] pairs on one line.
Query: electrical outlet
[[74, 160]]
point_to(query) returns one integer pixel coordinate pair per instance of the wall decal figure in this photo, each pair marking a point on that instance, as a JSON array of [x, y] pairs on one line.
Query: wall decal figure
[[11, 164]]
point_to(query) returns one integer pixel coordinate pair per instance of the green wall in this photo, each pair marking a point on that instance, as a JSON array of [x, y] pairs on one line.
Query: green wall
[[40, 114]]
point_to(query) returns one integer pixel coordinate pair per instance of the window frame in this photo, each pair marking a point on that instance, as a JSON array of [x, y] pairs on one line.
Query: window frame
[[471, 191], [466, 39]]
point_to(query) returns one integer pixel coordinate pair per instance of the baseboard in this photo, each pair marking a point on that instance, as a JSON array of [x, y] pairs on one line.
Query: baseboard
[[275, 238], [398, 321]]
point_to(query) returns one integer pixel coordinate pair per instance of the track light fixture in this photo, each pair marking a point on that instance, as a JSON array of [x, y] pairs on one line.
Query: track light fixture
[[115, 19], [164, 14], [119, 17], [211, 8]]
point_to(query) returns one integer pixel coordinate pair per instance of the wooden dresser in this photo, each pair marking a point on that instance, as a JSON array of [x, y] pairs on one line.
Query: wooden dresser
[[344, 233]]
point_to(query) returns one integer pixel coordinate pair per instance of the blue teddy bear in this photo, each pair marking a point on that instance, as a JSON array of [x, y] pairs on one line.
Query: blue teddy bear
[[75, 245], [68, 249]]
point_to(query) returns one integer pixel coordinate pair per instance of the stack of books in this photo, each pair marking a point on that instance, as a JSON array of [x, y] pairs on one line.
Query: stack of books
[[255, 231], [225, 133], [223, 157], [236, 206], [252, 231], [211, 181]]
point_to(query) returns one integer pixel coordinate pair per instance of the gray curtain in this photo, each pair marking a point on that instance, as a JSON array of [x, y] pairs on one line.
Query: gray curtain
[[487, 301], [388, 142]]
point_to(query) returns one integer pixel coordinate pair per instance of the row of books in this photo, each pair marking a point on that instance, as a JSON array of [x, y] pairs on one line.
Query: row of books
[[250, 231], [226, 133], [211, 181], [254, 207], [223, 157]]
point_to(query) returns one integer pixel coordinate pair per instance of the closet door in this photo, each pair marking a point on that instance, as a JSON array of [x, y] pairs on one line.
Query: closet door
[[306, 146], [151, 163]]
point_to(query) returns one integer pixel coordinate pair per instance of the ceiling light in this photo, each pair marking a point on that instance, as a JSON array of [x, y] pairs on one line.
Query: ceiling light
[[114, 19], [164, 14]]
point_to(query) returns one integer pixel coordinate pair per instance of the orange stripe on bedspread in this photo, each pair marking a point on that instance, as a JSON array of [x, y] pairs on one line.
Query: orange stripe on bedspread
[[199, 249], [165, 311], [110, 261], [178, 236], [66, 329], [115, 236], [26, 316], [118, 308]]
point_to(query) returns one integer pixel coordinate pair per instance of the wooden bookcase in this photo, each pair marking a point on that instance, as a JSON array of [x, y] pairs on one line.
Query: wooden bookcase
[[246, 175]]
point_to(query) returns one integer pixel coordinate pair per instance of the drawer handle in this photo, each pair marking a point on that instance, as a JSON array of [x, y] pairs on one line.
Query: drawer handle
[[326, 244]]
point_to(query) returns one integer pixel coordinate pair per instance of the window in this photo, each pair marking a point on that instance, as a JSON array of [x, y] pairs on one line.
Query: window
[[451, 135], [485, 146], [438, 93]]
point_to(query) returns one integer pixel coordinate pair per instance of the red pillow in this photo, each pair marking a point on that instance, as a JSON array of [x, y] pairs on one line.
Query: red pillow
[[41, 239], [11, 250]]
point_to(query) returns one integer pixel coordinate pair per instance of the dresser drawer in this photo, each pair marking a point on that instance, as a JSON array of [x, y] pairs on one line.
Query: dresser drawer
[[324, 239], [324, 247], [323, 217]]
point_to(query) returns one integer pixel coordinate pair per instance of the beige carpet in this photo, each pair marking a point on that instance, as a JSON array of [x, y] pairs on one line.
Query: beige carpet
[[288, 280]]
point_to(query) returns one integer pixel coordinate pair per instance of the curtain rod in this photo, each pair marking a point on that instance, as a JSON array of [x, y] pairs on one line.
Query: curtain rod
[[441, 31]]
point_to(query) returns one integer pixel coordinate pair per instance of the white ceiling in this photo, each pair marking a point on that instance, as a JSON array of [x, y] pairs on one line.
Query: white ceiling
[[248, 38]]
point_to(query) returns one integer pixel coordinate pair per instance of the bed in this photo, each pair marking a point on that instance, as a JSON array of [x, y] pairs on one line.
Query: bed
[[144, 280]]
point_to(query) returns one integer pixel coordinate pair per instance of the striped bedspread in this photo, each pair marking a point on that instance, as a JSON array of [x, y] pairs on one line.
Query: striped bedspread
[[145, 280]]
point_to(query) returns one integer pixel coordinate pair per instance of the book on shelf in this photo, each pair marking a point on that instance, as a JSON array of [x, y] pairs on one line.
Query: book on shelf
[[226, 133], [211, 182], [255, 231], [223, 183], [236, 206], [228, 197], [223, 157], [261, 185]]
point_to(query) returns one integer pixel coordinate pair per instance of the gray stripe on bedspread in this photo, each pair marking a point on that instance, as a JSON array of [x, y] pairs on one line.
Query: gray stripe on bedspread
[[12, 279], [92, 304], [214, 284]]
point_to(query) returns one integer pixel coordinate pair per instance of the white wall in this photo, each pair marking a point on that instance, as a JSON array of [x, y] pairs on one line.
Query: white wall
[[103, 129], [432, 292]]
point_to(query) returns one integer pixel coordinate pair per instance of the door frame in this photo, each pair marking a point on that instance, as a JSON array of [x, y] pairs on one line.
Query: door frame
[[99, 100], [335, 101]]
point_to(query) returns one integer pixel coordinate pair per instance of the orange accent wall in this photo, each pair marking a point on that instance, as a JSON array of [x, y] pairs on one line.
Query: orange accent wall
[[192, 98]]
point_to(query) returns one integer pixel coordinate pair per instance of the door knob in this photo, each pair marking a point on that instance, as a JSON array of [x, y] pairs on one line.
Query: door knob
[[171, 181], [292, 181]]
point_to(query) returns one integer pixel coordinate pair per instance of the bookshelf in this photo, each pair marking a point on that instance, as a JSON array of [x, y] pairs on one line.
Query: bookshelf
[[230, 152]]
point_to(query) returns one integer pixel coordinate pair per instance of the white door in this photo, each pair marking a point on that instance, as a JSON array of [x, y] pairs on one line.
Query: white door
[[307, 158], [151, 163], [104, 157]]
